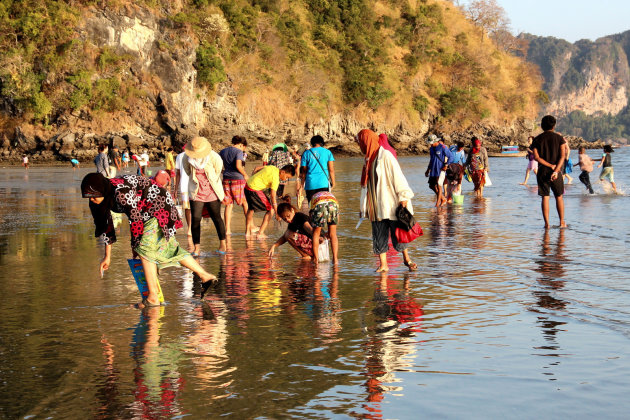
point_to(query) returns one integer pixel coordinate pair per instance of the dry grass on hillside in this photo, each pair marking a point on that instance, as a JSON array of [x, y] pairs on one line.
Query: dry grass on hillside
[[276, 90]]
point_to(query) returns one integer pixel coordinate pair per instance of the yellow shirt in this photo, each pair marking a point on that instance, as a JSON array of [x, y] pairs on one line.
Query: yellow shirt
[[267, 177], [170, 163]]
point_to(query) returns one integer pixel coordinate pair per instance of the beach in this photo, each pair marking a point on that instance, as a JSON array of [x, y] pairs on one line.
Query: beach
[[502, 318]]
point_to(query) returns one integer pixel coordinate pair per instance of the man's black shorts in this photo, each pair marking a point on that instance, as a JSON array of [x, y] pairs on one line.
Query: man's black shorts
[[545, 184], [433, 181]]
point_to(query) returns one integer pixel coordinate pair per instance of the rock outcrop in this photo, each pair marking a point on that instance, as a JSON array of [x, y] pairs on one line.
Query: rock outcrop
[[156, 59]]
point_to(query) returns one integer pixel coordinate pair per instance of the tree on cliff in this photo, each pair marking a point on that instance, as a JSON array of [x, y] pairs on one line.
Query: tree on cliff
[[489, 16]]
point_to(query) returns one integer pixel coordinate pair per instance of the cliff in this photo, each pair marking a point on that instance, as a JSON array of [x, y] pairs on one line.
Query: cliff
[[150, 74], [587, 84]]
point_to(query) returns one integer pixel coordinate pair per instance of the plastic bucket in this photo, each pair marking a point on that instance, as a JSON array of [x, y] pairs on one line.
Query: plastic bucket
[[458, 199]]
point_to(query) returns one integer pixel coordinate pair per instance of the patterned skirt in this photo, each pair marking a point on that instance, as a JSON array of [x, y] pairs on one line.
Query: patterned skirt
[[478, 178], [155, 248]]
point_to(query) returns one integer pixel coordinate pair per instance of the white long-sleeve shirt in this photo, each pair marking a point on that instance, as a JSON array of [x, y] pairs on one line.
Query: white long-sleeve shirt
[[391, 187]]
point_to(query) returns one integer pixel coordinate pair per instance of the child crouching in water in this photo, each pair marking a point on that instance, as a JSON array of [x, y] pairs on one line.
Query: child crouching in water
[[305, 230], [299, 233]]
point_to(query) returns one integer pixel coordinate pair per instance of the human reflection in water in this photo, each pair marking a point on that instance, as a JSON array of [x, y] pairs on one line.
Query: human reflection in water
[[391, 341], [234, 269], [208, 346], [551, 282], [314, 290], [108, 393], [158, 381]]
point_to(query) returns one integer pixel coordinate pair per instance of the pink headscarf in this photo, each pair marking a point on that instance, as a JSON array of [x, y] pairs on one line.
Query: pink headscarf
[[384, 142]]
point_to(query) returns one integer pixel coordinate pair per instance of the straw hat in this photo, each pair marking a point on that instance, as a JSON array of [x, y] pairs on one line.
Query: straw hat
[[198, 148]]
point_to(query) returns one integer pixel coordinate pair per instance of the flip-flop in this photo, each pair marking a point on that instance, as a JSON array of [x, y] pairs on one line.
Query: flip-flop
[[412, 265]]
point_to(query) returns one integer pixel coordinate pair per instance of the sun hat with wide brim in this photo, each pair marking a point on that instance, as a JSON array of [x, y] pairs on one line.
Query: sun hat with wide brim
[[198, 148]]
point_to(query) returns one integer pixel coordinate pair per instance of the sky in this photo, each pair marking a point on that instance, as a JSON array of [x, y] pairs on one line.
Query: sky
[[568, 19]]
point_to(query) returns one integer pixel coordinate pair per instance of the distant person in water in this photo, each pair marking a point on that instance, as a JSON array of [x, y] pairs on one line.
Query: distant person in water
[[439, 156], [477, 164], [125, 159], [25, 162], [532, 165], [586, 166], [568, 164], [102, 162], [153, 221], [75, 164], [550, 153], [607, 174], [455, 171]]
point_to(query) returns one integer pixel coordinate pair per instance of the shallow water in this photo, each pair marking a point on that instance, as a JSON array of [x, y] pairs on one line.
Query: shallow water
[[502, 319]]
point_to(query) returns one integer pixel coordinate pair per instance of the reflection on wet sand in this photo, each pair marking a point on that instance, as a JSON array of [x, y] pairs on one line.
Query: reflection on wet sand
[[156, 373], [551, 266], [396, 321], [501, 302]]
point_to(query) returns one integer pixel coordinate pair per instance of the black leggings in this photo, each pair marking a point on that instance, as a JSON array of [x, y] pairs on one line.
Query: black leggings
[[214, 208], [382, 231], [586, 180]]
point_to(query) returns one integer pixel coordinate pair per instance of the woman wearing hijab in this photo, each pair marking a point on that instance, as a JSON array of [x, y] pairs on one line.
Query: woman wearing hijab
[[477, 164], [201, 183], [384, 187], [383, 141], [153, 221]]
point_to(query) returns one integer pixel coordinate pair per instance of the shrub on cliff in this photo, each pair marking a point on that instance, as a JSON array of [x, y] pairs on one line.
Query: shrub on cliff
[[210, 70]]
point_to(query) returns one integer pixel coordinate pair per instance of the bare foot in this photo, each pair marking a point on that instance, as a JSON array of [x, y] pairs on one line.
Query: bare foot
[[546, 226], [255, 229], [382, 269], [208, 277], [228, 233], [261, 236], [562, 225], [522, 183]]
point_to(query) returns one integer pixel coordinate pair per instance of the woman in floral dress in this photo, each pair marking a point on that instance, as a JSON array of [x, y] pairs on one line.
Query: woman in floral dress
[[153, 221]]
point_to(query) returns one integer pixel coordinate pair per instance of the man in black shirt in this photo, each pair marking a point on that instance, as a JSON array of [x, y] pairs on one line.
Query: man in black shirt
[[550, 154]]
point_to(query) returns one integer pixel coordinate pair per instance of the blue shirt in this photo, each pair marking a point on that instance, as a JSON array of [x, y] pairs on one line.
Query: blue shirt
[[457, 157], [316, 173], [230, 155], [437, 155]]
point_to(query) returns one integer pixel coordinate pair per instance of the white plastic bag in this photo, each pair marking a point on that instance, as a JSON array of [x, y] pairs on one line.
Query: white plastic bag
[[488, 181], [441, 178], [323, 253]]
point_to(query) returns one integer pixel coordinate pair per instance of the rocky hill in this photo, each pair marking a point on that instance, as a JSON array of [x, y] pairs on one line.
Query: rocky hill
[[151, 73], [588, 84]]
